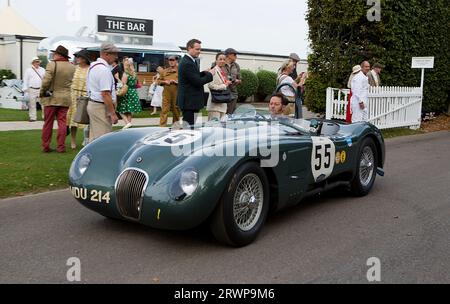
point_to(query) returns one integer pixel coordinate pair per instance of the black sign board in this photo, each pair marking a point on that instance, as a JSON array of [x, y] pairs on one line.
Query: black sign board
[[127, 26]]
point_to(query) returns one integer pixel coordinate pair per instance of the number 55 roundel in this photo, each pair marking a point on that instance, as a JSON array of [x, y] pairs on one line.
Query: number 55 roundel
[[322, 160]]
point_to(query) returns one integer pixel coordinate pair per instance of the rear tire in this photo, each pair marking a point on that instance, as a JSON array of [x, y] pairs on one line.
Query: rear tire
[[243, 208], [366, 170]]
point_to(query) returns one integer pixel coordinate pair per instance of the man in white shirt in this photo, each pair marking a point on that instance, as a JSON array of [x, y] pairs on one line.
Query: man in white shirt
[[360, 90], [32, 82], [102, 93]]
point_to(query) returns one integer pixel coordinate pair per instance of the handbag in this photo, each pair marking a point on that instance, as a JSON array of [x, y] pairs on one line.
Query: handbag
[[221, 96], [82, 116], [123, 90]]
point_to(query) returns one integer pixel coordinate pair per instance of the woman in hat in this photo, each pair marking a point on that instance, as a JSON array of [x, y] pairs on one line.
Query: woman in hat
[[78, 90], [355, 71]]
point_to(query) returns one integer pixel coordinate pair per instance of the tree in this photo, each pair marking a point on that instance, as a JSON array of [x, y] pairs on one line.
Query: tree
[[249, 86], [267, 83], [342, 36]]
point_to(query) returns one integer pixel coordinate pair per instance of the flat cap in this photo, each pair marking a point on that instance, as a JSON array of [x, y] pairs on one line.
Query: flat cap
[[231, 51], [295, 57], [378, 65], [109, 48]]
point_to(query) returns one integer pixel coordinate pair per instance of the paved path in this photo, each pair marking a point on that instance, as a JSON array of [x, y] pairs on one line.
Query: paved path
[[404, 222]]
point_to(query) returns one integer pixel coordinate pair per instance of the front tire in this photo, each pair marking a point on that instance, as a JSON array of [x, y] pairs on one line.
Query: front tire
[[243, 208], [366, 170]]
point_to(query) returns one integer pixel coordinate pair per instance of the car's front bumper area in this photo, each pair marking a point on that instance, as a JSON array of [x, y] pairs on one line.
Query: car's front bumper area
[[154, 209]]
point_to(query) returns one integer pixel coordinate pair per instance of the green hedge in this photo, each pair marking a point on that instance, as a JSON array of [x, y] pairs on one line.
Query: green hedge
[[267, 83], [342, 36], [249, 86], [7, 74]]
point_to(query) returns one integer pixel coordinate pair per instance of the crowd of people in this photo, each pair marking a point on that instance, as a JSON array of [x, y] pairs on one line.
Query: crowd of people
[[110, 86]]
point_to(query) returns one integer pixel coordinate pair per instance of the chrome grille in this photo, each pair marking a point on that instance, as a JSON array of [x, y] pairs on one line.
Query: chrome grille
[[130, 188]]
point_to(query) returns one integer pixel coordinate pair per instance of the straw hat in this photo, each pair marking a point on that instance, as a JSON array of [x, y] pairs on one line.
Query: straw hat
[[356, 69]]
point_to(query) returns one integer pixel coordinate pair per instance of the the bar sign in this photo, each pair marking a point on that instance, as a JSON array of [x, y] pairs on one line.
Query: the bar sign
[[127, 26]]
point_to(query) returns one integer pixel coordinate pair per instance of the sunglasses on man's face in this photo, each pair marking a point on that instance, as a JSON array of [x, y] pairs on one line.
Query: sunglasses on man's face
[[172, 59]]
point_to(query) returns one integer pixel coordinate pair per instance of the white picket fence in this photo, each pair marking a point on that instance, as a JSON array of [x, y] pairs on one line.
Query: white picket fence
[[389, 107]]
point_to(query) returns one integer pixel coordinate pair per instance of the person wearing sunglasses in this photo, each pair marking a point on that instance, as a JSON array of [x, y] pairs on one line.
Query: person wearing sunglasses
[[169, 80]]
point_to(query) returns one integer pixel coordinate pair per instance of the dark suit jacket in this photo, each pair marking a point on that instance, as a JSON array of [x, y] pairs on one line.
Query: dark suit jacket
[[191, 85]]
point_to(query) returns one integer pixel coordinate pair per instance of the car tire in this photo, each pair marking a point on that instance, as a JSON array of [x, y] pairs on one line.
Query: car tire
[[366, 169], [226, 225]]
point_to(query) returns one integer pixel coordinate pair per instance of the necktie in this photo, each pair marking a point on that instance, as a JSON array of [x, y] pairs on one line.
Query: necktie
[[197, 63]]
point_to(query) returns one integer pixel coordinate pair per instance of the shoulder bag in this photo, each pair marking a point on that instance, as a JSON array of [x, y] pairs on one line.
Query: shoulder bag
[[123, 90], [81, 115], [221, 96]]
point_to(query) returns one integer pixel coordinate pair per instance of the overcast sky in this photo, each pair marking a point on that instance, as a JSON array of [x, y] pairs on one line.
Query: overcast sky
[[264, 26]]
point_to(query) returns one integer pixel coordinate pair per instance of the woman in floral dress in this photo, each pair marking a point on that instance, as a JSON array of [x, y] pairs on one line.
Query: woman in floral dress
[[130, 103], [78, 89]]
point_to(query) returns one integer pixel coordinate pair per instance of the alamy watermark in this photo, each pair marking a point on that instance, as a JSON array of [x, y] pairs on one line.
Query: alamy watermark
[[236, 138], [73, 13], [374, 272], [374, 13], [74, 272]]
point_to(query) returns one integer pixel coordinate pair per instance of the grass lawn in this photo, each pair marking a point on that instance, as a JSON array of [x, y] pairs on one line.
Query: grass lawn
[[391, 133], [24, 169], [7, 115], [16, 115]]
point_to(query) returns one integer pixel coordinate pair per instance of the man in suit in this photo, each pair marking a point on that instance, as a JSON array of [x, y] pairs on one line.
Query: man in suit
[[57, 81], [374, 75], [191, 98]]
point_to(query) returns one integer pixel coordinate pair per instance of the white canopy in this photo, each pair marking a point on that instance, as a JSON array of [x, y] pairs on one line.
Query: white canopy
[[11, 23]]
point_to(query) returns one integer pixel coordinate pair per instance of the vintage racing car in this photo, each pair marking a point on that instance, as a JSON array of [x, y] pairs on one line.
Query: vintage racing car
[[229, 174]]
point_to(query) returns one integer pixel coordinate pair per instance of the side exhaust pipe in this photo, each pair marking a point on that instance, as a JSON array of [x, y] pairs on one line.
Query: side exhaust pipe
[[380, 172]]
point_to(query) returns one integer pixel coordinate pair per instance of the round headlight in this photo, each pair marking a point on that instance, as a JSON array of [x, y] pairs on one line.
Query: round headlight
[[189, 181], [80, 166], [83, 163]]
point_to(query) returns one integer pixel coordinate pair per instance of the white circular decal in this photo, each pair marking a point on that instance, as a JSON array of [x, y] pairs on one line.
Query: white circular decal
[[323, 158], [174, 138]]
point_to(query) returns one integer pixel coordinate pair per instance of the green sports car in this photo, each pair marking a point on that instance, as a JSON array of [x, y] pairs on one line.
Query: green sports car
[[229, 174]]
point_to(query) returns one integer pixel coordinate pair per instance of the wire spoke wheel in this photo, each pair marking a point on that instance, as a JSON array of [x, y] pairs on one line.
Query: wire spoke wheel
[[367, 166], [248, 202]]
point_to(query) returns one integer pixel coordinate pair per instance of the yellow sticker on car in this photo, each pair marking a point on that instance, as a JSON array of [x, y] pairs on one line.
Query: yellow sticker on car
[[343, 157]]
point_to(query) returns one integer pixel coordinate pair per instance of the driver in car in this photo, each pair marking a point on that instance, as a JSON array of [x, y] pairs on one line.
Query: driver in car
[[278, 104]]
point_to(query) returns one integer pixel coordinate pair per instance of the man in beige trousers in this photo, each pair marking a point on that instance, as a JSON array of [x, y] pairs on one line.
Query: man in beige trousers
[[102, 94], [32, 82]]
